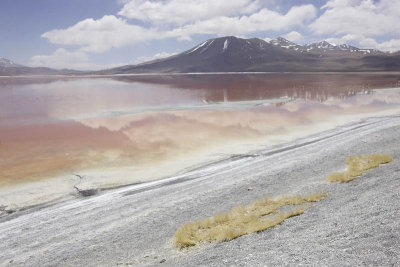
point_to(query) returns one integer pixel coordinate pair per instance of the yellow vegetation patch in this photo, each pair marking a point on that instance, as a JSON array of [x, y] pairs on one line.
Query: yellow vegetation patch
[[357, 165], [260, 215]]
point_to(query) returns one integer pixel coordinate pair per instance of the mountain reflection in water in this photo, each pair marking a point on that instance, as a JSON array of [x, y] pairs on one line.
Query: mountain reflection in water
[[51, 127]]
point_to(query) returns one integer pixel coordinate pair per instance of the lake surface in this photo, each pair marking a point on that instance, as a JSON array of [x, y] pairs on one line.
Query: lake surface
[[124, 129]]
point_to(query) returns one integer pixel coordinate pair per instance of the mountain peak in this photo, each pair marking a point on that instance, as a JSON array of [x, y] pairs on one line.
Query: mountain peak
[[4, 62], [201, 48], [320, 45], [281, 41], [324, 43], [348, 47], [321, 48], [227, 44], [284, 43], [234, 54]]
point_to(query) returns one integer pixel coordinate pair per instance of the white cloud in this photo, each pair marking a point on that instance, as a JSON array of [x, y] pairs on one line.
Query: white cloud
[[185, 11], [98, 36], [360, 21], [356, 21], [391, 45], [263, 20], [348, 38], [294, 36], [59, 59], [361, 17], [62, 58], [367, 42], [180, 19], [155, 56]]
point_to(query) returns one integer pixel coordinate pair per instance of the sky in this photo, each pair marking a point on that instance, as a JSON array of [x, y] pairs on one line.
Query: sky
[[98, 34]]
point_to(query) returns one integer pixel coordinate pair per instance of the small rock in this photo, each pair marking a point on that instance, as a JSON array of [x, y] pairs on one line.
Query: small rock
[[163, 260], [249, 189], [11, 209]]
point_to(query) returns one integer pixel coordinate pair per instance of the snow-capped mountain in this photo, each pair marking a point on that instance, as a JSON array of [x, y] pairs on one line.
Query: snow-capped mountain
[[6, 63], [347, 47], [282, 42], [322, 47], [232, 54], [216, 55], [10, 68], [229, 44], [325, 46]]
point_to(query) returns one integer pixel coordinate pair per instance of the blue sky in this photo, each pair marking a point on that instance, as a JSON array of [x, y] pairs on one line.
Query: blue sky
[[95, 34]]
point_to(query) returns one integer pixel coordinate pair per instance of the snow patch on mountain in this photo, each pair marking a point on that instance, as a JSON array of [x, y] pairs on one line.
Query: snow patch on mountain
[[197, 47], [322, 47], [7, 63], [284, 43], [205, 48], [226, 44]]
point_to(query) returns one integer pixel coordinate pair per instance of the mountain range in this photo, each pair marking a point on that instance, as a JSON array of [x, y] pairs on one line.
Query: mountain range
[[233, 54], [10, 68]]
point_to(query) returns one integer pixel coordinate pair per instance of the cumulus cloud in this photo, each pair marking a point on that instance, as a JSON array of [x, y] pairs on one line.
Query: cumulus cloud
[[391, 45], [263, 20], [360, 21], [98, 36], [294, 36], [155, 56], [360, 39], [185, 11], [63, 58], [367, 42], [361, 17]]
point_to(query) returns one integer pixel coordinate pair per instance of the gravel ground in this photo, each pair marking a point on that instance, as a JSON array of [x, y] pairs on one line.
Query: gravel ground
[[358, 224]]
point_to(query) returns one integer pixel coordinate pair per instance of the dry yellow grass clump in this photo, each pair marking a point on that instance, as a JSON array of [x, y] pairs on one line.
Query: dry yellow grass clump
[[242, 220], [357, 165]]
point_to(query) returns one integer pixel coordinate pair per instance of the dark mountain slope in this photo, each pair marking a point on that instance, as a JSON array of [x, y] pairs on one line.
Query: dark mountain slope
[[232, 54], [226, 54]]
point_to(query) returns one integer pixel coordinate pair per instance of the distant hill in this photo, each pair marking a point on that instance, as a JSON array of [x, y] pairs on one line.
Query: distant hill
[[9, 68], [232, 54]]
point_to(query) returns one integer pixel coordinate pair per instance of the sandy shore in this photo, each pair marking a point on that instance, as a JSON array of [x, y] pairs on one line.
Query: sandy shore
[[357, 224]]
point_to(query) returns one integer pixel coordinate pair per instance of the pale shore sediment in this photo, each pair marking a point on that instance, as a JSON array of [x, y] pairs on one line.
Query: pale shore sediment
[[357, 224]]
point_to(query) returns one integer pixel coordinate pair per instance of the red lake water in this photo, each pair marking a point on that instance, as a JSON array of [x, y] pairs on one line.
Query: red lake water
[[124, 129]]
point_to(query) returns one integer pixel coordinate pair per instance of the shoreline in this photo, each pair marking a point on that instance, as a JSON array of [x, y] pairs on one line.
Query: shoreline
[[132, 226], [191, 73], [205, 166]]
